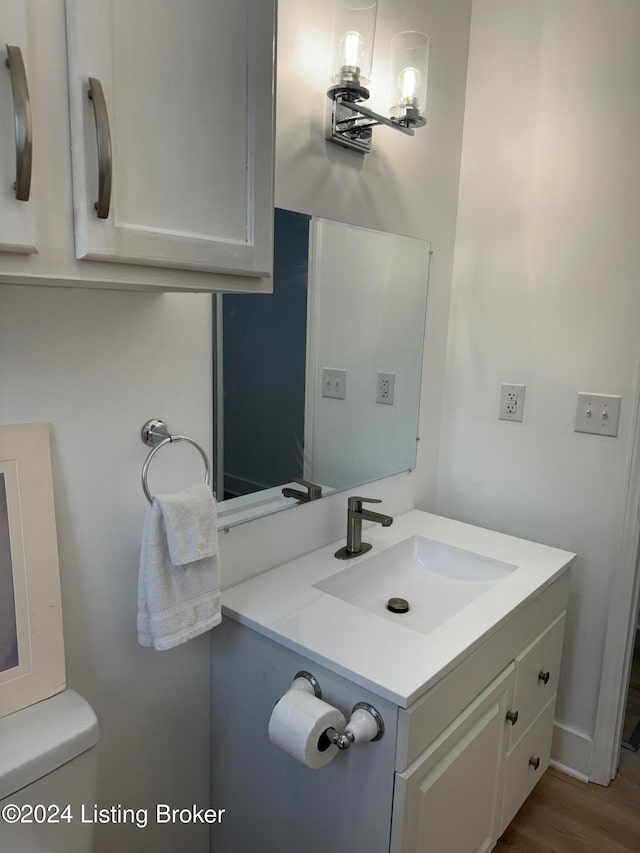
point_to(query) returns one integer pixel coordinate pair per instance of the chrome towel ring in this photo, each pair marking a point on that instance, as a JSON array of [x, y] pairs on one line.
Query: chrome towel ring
[[155, 435]]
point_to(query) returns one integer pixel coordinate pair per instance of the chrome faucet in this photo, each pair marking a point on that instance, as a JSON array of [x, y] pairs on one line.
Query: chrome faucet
[[355, 516], [313, 491]]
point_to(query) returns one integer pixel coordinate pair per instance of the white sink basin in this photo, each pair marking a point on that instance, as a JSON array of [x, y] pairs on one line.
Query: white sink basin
[[437, 580]]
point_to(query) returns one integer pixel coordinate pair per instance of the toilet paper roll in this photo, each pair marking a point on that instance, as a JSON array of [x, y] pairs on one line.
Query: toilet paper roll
[[298, 723]]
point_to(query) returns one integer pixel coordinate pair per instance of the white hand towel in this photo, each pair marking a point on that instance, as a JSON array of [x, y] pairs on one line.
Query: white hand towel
[[179, 580]]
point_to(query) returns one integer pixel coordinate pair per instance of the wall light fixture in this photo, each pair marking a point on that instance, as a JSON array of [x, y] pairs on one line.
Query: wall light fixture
[[349, 122]]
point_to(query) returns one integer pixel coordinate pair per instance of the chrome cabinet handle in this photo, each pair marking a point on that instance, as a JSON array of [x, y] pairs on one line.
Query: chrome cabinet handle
[[544, 676], [23, 124], [512, 717], [534, 762], [105, 155]]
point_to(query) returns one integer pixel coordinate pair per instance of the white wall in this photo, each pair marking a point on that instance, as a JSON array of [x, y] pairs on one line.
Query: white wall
[[97, 365], [546, 293], [367, 300], [406, 186]]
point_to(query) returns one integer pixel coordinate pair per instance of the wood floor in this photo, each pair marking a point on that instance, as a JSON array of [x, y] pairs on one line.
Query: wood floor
[[563, 815]]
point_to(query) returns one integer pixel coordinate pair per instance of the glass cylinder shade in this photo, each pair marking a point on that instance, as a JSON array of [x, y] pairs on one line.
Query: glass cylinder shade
[[354, 28], [409, 72]]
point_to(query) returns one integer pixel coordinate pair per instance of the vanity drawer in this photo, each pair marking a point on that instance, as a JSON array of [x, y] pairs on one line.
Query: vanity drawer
[[522, 775], [537, 672]]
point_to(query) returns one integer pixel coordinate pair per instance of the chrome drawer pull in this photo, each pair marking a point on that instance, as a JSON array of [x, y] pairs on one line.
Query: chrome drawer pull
[[534, 762], [23, 124], [544, 676], [512, 717], [105, 155]]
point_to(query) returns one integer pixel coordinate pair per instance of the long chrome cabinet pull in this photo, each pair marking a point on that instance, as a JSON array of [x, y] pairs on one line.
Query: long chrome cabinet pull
[[105, 155], [24, 127]]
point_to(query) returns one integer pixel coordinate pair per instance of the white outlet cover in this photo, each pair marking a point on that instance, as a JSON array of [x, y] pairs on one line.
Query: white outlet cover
[[385, 388], [512, 402], [334, 383], [598, 414]]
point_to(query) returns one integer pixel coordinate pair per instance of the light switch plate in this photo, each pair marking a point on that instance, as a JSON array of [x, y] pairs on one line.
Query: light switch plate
[[598, 413], [334, 383], [512, 402]]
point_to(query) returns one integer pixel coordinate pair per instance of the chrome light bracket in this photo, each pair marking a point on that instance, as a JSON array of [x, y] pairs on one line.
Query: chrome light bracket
[[350, 124]]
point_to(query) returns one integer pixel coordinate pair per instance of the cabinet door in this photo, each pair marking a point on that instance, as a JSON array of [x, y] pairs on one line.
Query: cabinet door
[[448, 800], [188, 92], [17, 217]]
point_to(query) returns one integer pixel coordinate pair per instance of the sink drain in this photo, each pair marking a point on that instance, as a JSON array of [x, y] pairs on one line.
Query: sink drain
[[398, 605]]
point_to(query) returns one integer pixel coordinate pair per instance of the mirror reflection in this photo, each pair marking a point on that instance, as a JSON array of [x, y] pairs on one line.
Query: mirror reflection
[[317, 386]]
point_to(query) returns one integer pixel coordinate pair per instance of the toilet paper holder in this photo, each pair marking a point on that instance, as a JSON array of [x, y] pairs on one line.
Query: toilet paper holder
[[364, 725], [311, 680]]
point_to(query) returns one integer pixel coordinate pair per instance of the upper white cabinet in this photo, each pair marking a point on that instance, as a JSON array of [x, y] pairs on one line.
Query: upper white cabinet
[[176, 144], [17, 215]]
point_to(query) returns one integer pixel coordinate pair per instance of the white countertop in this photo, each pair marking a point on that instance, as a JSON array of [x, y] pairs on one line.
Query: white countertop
[[391, 660]]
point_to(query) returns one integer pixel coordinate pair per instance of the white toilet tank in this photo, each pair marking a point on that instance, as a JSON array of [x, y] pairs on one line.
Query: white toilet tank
[[48, 762]]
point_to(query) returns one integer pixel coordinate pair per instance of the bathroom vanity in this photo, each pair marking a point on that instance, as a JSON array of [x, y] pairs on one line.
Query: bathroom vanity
[[465, 681]]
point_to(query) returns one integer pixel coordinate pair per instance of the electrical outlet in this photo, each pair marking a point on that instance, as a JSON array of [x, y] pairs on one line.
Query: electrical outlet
[[598, 413], [334, 383], [385, 388], [512, 402]]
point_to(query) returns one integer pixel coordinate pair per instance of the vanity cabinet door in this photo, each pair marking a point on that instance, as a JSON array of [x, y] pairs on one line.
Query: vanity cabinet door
[[176, 143], [17, 214], [448, 800]]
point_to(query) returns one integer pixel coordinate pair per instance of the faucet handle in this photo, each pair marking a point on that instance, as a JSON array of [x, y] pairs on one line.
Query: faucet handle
[[355, 503]]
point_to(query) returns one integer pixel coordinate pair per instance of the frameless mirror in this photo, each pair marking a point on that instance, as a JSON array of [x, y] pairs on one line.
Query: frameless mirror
[[319, 381]]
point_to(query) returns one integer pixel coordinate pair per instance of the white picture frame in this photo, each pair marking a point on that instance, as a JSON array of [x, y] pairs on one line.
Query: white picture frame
[[32, 664]]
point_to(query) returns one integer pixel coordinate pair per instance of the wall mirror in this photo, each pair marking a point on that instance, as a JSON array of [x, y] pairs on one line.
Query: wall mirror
[[319, 381]]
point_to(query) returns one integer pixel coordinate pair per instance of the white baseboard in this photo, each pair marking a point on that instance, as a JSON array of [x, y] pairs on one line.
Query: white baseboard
[[569, 771], [571, 751]]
